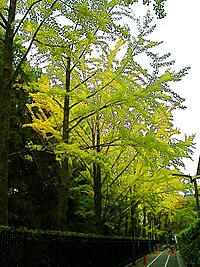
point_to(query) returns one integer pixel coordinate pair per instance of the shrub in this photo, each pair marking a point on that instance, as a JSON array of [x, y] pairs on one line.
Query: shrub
[[189, 244]]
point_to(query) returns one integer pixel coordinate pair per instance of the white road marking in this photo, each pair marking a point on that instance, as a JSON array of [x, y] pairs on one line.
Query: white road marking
[[155, 259], [167, 260]]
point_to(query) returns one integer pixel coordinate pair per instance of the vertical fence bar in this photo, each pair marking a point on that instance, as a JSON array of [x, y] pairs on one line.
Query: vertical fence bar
[[27, 250]]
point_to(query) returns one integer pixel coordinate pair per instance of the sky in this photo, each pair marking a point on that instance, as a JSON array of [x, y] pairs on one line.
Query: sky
[[179, 31]]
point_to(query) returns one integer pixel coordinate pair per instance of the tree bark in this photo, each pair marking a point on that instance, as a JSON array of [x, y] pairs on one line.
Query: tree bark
[[144, 223], [97, 179], [133, 207], [126, 228], [5, 108], [65, 179]]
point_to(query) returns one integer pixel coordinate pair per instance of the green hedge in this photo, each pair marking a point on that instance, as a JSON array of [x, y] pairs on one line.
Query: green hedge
[[189, 244], [39, 233]]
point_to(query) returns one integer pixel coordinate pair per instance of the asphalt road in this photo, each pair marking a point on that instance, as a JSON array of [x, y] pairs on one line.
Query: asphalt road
[[163, 259]]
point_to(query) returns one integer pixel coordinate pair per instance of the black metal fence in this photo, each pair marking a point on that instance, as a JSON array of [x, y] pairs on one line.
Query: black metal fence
[[24, 249]]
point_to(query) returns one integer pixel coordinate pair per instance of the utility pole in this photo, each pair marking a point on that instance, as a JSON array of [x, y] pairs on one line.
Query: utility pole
[[196, 189]]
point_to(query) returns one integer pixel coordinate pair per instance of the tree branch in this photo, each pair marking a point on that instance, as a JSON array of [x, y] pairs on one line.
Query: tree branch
[[112, 165], [82, 138], [51, 45], [119, 155], [58, 103], [2, 25], [126, 167], [22, 20], [103, 144], [32, 41], [84, 81], [81, 118], [82, 53], [108, 83], [111, 209], [4, 20]]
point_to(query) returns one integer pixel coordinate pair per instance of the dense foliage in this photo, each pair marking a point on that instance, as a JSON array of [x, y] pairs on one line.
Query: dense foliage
[[92, 144], [189, 244]]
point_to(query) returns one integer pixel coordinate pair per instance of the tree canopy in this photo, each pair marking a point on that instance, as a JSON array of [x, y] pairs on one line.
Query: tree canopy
[[91, 133]]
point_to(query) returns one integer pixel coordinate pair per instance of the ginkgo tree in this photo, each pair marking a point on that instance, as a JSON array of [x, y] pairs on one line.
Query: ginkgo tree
[[25, 20], [109, 113], [79, 39]]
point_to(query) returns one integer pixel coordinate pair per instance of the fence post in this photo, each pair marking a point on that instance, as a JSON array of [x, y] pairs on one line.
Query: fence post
[[24, 249], [134, 253]]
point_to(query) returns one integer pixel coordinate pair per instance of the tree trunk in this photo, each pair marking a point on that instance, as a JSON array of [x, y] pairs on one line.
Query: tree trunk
[[97, 195], [97, 180], [144, 223], [65, 179], [63, 195], [5, 104], [132, 230], [126, 226]]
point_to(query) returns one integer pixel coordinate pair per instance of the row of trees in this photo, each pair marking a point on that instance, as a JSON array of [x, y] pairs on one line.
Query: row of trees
[[87, 139]]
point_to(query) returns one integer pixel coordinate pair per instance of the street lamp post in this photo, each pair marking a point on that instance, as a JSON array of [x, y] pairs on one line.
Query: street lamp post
[[196, 195], [196, 188], [193, 179]]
